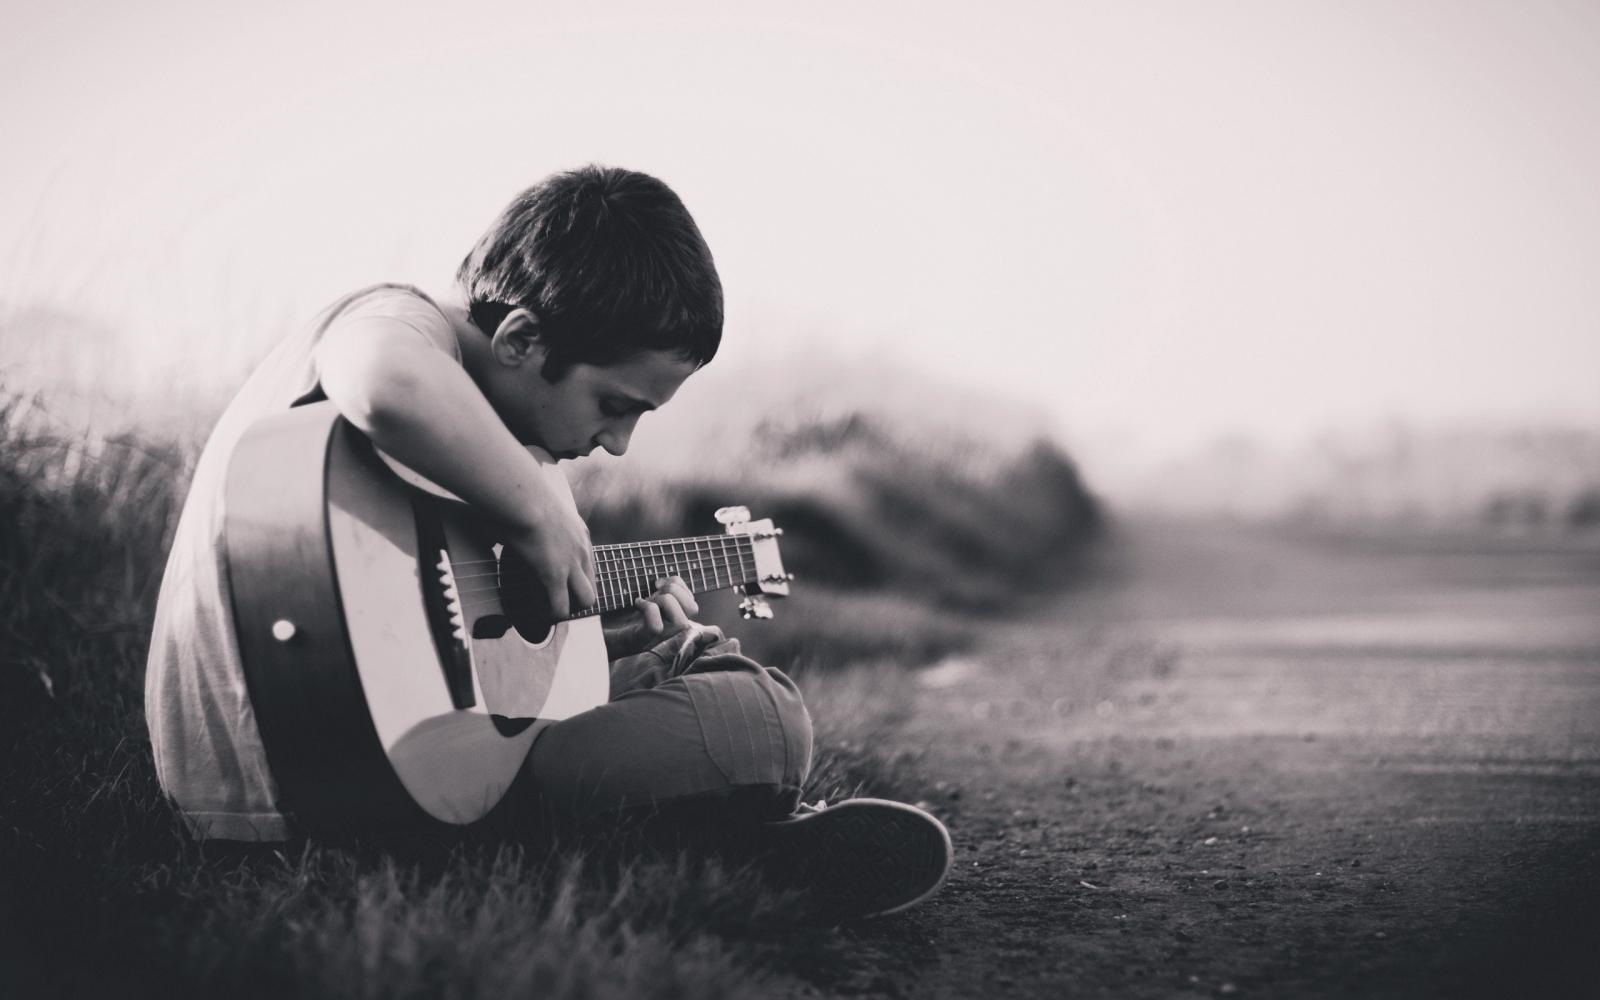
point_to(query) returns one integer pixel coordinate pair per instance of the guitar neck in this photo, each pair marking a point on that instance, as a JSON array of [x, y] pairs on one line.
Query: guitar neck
[[624, 573]]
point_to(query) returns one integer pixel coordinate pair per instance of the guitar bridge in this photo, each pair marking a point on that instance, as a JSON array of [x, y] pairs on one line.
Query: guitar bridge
[[441, 602]]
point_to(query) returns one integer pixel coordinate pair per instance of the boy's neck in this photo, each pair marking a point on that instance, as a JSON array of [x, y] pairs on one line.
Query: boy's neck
[[474, 343]]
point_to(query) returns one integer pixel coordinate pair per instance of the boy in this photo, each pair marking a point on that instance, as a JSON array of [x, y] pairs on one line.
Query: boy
[[587, 303]]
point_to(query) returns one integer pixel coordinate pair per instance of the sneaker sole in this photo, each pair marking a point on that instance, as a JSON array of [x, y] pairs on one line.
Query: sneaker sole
[[861, 857]]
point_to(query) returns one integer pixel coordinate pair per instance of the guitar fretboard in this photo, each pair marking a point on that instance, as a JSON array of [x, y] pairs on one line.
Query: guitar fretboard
[[624, 573]]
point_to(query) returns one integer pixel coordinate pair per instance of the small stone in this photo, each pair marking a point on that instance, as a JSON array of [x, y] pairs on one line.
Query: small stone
[[1220, 883], [1209, 841], [1227, 990]]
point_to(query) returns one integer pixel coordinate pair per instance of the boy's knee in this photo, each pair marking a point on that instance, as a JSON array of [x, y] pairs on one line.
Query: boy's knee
[[755, 726]]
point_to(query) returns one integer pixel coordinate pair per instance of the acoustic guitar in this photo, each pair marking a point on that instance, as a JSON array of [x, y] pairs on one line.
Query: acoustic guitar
[[395, 664]]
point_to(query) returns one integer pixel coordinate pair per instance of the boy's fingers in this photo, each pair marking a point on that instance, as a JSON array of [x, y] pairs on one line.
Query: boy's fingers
[[650, 613], [680, 590], [582, 590], [587, 569], [671, 611]]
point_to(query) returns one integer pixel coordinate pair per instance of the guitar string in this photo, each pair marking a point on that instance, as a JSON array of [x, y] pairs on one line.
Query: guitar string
[[635, 589], [627, 571], [637, 579], [624, 584], [615, 558], [611, 564], [602, 607], [611, 573], [631, 548], [662, 565], [640, 562]]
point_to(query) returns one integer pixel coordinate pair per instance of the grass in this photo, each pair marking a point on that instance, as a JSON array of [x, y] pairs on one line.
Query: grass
[[101, 889]]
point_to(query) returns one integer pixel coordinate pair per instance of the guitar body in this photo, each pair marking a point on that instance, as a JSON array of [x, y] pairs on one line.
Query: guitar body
[[391, 683]]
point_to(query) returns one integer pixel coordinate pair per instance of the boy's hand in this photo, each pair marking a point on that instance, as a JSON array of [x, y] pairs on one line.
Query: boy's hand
[[558, 554], [652, 619]]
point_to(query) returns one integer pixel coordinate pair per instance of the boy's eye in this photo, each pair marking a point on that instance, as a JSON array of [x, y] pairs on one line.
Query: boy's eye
[[614, 408]]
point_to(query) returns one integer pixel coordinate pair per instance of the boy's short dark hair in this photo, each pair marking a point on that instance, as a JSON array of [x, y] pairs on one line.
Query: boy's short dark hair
[[610, 262]]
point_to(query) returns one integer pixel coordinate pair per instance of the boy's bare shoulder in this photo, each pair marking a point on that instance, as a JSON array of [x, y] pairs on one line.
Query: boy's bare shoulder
[[396, 311]]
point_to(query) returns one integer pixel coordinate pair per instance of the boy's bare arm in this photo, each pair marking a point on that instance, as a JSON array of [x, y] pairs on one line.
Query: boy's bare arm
[[420, 406]]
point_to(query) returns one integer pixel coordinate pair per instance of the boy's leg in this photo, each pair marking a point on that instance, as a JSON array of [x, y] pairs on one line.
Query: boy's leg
[[720, 753], [727, 729]]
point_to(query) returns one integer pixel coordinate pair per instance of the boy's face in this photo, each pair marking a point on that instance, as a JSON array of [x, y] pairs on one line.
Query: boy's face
[[591, 406]]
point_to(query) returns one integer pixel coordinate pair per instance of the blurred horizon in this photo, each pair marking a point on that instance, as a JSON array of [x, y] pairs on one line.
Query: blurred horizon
[[1223, 256]]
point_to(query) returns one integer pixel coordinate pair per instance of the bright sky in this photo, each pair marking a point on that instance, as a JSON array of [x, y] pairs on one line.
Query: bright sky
[[1164, 221]]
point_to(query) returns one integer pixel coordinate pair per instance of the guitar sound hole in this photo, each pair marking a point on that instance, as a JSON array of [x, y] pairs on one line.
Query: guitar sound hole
[[520, 594]]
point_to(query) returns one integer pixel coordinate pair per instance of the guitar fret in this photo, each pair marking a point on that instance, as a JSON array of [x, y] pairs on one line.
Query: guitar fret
[[705, 563], [727, 564]]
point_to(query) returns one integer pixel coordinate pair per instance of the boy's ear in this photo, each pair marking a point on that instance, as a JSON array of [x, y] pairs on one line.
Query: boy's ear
[[516, 340]]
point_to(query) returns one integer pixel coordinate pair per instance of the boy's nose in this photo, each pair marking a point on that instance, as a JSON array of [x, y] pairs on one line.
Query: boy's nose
[[615, 440]]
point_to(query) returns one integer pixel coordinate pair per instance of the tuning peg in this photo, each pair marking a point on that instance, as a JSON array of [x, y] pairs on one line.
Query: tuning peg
[[755, 607], [732, 515]]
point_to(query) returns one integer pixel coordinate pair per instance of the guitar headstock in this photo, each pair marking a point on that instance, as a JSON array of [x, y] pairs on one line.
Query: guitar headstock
[[771, 580]]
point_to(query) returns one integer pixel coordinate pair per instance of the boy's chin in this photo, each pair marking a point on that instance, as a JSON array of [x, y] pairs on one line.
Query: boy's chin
[[559, 456]]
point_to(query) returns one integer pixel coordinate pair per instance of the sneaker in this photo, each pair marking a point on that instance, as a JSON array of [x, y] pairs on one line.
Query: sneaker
[[858, 858]]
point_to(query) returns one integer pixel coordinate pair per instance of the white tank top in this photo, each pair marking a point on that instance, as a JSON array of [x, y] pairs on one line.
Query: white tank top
[[208, 752]]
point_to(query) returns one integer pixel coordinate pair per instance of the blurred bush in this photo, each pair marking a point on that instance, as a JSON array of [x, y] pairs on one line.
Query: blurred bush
[[864, 510]]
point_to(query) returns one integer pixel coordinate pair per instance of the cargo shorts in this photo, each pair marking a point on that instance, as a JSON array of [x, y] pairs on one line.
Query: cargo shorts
[[690, 719]]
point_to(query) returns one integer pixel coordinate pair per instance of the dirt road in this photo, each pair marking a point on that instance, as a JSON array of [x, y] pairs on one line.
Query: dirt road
[[1267, 764]]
